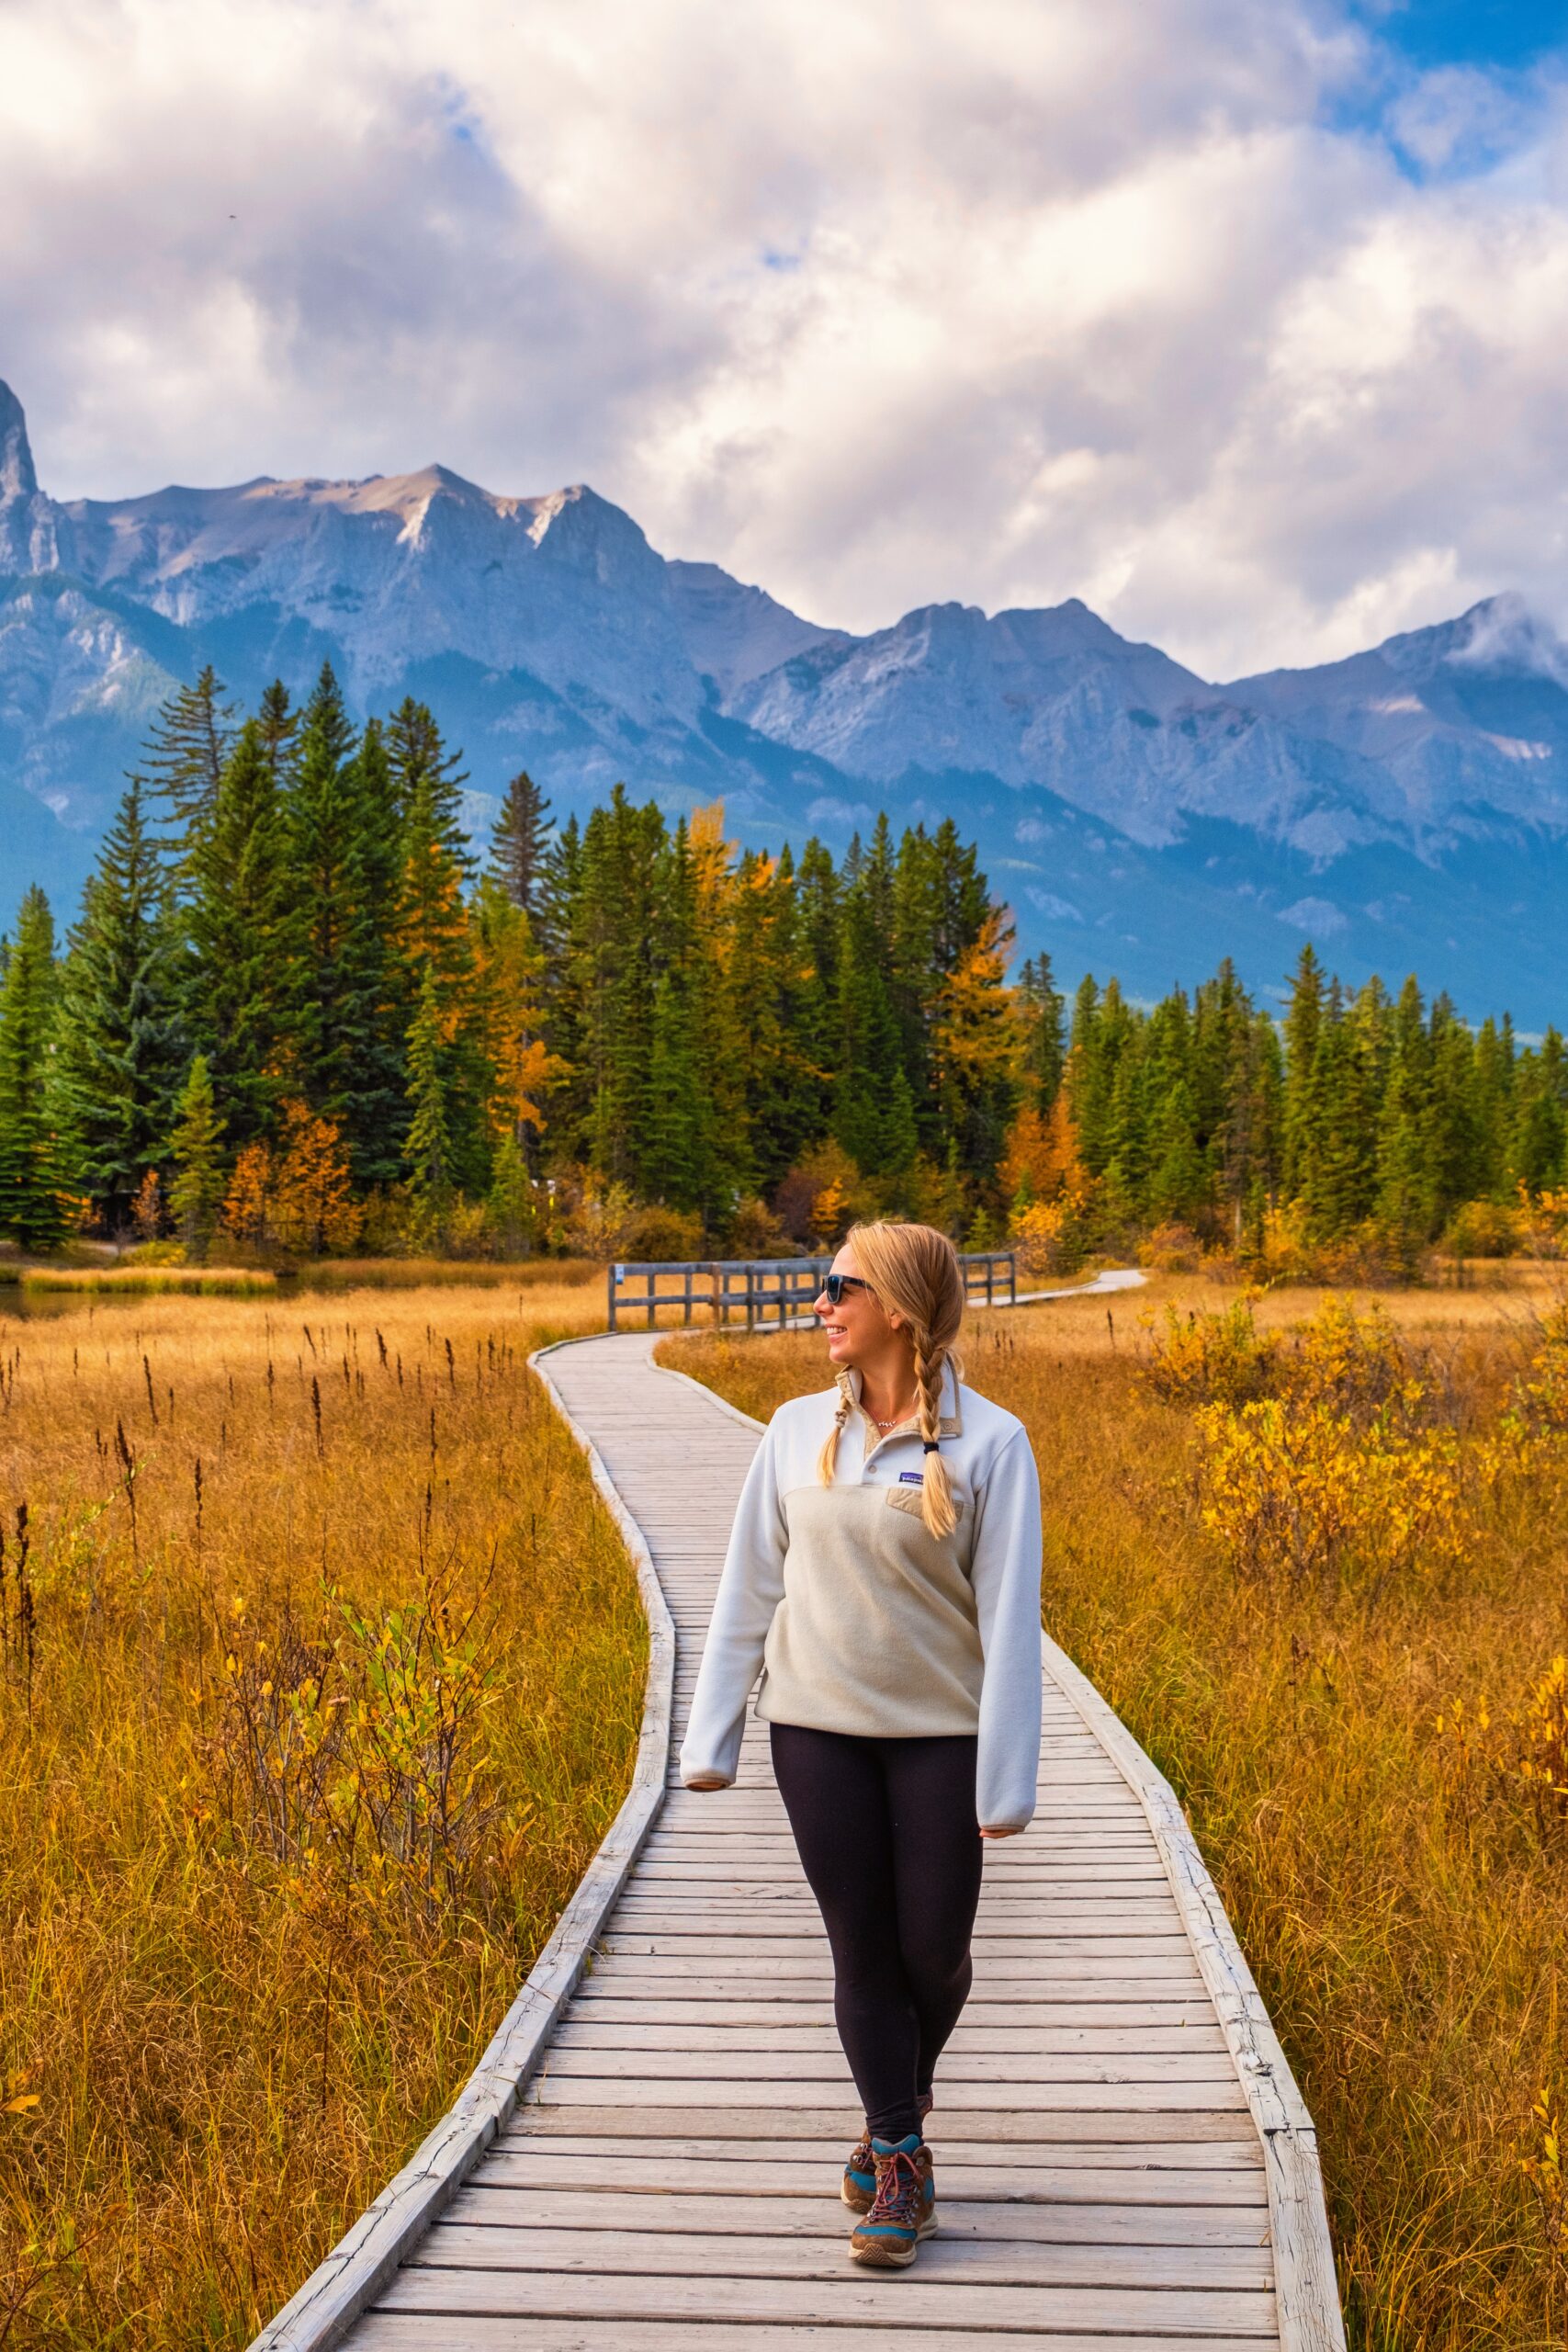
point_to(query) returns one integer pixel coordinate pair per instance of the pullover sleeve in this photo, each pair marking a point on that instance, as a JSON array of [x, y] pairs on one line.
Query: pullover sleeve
[[1005, 1572], [749, 1589]]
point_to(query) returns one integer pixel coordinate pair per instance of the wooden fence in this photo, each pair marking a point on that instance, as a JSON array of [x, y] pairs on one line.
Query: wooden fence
[[768, 1290]]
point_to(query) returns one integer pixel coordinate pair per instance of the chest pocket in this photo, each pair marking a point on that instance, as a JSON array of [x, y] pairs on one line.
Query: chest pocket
[[909, 1498]]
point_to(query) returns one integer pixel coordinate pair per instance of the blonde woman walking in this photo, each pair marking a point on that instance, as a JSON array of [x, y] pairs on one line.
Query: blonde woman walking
[[884, 1573]]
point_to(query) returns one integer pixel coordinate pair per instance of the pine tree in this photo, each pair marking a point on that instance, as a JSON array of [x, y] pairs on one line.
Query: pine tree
[[874, 1110], [32, 1206], [429, 1145], [1042, 1012], [121, 1054], [342, 1049], [518, 841], [434, 926], [1303, 1019], [195, 1196], [243, 936], [184, 759]]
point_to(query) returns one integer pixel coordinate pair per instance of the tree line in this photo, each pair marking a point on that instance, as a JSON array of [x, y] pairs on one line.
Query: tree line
[[297, 1011]]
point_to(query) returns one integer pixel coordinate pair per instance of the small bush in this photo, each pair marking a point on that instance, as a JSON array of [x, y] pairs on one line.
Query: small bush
[[660, 1236], [1482, 1229], [753, 1231], [1171, 1249], [1207, 1359]]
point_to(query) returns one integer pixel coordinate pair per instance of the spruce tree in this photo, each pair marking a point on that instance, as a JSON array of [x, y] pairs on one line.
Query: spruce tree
[[182, 761], [429, 1145], [33, 1209], [196, 1196], [1303, 1019], [435, 928], [345, 1012], [518, 841], [1044, 1051], [122, 1049], [874, 1110], [243, 933]]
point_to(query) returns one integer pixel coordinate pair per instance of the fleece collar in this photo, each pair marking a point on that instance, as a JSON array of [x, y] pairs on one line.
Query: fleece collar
[[950, 1422]]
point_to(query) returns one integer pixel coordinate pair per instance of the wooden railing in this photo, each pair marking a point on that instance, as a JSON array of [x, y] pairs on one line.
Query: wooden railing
[[768, 1290]]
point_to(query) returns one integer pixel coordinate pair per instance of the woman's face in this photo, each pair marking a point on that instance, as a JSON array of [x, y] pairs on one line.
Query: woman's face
[[858, 1326]]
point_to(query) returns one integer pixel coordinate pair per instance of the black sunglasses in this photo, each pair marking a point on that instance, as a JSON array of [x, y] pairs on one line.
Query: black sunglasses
[[835, 1286]]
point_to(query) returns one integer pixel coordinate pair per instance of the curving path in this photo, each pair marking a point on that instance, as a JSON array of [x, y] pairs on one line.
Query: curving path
[[1123, 2161]]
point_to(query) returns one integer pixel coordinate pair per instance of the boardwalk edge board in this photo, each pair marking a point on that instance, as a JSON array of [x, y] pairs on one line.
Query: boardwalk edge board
[[1307, 2288], [350, 2277]]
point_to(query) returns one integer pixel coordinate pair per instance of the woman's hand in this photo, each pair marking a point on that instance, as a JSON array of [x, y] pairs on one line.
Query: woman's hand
[[1009, 1832]]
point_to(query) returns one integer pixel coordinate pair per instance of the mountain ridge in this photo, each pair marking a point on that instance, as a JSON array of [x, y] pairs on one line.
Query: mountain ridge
[[546, 630]]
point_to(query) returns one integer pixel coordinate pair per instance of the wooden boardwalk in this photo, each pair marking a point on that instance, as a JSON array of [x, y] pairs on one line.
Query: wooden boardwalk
[[669, 2178]]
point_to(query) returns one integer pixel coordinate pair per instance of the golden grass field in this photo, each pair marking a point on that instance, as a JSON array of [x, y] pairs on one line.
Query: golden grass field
[[320, 1680], [1401, 1890]]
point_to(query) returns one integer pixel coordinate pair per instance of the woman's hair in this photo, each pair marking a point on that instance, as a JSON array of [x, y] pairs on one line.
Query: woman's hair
[[913, 1271]]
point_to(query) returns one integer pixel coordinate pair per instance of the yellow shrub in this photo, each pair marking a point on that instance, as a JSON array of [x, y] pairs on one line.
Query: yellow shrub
[[1202, 1359], [1294, 1491]]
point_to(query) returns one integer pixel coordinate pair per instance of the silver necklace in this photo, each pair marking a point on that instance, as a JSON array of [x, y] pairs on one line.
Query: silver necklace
[[889, 1425]]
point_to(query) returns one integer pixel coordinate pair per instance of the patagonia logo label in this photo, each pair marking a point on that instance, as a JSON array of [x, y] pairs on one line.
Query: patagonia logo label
[[911, 1477]]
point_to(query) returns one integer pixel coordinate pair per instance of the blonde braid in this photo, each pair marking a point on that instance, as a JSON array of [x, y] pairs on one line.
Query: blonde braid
[[830, 1454], [936, 1486]]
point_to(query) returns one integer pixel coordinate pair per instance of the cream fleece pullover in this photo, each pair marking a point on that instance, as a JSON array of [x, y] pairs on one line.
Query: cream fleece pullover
[[859, 1619]]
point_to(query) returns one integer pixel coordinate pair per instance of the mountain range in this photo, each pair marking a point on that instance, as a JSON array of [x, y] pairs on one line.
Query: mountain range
[[1405, 808]]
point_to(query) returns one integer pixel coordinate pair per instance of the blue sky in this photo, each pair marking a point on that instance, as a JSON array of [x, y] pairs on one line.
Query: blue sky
[[1501, 33]]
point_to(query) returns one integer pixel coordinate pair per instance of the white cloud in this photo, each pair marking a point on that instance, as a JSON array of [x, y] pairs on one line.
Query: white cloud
[[879, 305]]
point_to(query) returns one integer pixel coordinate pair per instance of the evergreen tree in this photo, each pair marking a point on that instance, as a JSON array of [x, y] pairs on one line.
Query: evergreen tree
[[1304, 1019], [344, 1005], [518, 841], [429, 1147], [242, 937], [873, 1109], [196, 1196], [1043, 1053], [184, 758], [121, 1052], [32, 1207]]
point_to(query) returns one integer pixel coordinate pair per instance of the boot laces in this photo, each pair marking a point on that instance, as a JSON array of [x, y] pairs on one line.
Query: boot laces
[[898, 2189]]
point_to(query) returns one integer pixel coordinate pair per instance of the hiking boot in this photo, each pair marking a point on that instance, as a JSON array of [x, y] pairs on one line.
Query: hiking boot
[[903, 2210], [859, 2184]]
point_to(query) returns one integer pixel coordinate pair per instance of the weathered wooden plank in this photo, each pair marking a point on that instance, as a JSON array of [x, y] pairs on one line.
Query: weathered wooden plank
[[641, 2116], [1128, 2178], [598, 2061], [1132, 2101], [924, 2300], [623, 2248], [386, 2331], [686, 2212], [605, 2005], [1148, 2152], [973, 2038]]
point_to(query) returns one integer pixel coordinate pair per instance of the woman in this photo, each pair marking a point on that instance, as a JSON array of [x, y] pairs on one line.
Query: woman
[[884, 1571]]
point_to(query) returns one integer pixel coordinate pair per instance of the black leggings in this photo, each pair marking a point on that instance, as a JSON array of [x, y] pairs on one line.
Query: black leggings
[[887, 1833]]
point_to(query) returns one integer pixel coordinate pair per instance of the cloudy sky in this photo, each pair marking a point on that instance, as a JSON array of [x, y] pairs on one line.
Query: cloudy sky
[[1247, 321]]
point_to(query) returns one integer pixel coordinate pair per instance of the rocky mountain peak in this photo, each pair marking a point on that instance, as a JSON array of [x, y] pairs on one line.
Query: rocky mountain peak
[[18, 477]]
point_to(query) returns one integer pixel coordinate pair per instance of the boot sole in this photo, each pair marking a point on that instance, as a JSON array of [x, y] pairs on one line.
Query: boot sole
[[883, 2257]]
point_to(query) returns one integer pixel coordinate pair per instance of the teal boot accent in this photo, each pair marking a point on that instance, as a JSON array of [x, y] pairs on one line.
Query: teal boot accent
[[858, 2187], [902, 2211]]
